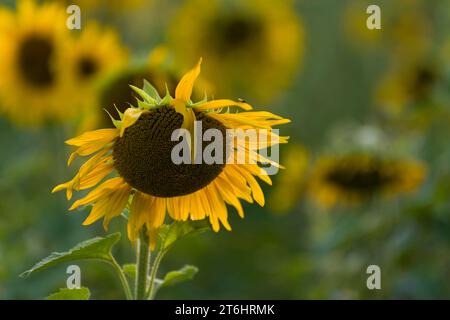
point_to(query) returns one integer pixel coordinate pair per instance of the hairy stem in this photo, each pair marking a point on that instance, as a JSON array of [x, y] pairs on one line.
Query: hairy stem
[[154, 271], [142, 264]]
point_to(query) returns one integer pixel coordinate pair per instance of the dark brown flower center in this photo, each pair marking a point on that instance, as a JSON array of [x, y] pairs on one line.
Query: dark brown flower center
[[143, 155], [232, 32], [34, 61], [424, 80], [87, 67], [364, 180]]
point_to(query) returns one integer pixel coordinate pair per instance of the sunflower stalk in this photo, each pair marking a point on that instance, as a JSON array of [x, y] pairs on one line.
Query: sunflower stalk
[[142, 263], [122, 278], [153, 272]]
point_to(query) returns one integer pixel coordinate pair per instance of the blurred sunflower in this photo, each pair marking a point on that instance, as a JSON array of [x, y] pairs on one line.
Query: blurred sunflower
[[406, 27], [411, 29], [253, 46], [407, 85], [34, 78], [352, 178], [290, 184], [117, 5], [94, 54], [139, 150]]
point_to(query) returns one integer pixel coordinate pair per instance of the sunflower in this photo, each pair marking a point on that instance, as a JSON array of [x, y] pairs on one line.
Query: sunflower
[[34, 78], [406, 27], [407, 85], [113, 5], [352, 178], [89, 65], [253, 45], [139, 150]]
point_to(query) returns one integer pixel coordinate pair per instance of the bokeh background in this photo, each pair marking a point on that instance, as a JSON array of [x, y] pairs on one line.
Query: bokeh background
[[367, 179]]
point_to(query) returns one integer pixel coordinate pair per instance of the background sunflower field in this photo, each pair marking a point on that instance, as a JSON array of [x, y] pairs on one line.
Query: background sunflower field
[[367, 178]]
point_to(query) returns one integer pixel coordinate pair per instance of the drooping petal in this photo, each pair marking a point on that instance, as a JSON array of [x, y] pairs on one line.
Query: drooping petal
[[237, 182], [257, 193], [109, 206], [145, 210], [95, 136], [219, 210], [229, 196], [99, 192], [91, 142]]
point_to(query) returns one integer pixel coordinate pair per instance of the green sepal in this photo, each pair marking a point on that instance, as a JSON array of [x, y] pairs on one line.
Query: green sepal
[[151, 90], [167, 100], [144, 105], [116, 123], [144, 95]]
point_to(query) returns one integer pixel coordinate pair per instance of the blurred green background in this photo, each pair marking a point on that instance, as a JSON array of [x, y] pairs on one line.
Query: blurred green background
[[307, 251]]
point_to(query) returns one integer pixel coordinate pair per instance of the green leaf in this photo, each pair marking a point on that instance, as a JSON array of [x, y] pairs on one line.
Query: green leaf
[[180, 229], [174, 277], [70, 294], [148, 88], [130, 270], [97, 248]]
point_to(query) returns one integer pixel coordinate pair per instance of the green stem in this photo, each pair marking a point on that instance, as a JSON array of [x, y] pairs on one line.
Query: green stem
[[123, 279], [142, 264], [154, 271]]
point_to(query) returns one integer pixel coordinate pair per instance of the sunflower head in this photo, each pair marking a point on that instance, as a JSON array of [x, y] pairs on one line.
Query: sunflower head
[[354, 178], [406, 86], [139, 151], [90, 64], [33, 63]]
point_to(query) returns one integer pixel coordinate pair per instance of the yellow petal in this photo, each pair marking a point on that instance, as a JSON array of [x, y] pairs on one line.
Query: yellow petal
[[130, 116], [184, 87], [237, 182], [188, 123], [222, 103], [109, 206], [195, 207], [91, 142], [117, 204], [228, 195], [69, 189], [258, 195], [220, 211], [93, 137], [104, 189]]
